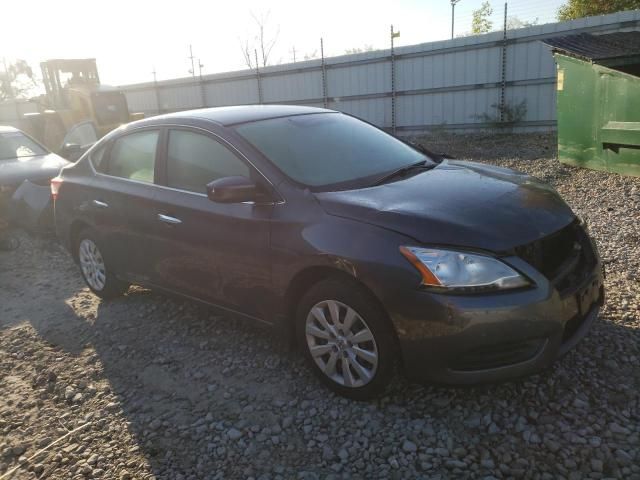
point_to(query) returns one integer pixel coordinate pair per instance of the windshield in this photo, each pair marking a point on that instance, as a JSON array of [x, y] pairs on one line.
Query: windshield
[[17, 145], [325, 150]]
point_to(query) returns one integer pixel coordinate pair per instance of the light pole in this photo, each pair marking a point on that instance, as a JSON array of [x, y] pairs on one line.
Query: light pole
[[453, 10], [191, 57]]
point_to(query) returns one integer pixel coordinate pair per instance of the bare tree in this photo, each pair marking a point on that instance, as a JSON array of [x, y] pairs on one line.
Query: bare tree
[[311, 55], [263, 41], [247, 53], [367, 48]]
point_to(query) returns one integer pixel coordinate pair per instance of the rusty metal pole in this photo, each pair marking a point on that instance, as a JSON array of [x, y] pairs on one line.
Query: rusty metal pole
[[325, 99], [503, 83], [156, 90]]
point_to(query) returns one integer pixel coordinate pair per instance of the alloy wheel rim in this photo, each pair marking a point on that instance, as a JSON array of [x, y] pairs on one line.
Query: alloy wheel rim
[[92, 264], [341, 344]]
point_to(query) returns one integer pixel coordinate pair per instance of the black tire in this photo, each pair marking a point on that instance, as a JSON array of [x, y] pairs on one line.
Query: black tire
[[351, 295], [111, 287]]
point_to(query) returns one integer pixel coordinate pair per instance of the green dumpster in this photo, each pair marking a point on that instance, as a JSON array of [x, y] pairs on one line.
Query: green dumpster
[[598, 100]]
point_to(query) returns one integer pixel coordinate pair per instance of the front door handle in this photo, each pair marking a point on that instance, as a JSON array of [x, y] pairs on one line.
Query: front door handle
[[100, 204], [169, 220]]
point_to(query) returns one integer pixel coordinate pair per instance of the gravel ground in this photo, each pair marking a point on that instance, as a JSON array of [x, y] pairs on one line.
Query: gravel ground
[[151, 387]]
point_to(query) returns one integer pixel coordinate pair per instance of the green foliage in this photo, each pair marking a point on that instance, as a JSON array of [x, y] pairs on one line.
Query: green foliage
[[511, 114], [515, 22], [16, 80], [366, 48], [480, 22], [586, 8]]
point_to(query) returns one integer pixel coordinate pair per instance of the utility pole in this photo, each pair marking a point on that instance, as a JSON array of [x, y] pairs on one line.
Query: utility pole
[[293, 50], [200, 65], [453, 11], [156, 90], [191, 57]]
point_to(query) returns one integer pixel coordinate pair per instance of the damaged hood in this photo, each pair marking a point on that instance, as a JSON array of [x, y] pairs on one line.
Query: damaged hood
[[458, 203], [37, 169]]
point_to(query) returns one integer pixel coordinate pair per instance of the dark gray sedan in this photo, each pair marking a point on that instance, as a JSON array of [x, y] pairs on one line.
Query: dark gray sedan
[[27, 165], [371, 253]]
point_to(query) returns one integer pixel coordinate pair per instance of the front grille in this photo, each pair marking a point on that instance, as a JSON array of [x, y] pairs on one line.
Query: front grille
[[565, 258], [496, 356]]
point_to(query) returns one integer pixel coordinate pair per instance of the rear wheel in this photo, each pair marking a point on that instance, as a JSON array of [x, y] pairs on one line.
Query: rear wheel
[[95, 269], [347, 338]]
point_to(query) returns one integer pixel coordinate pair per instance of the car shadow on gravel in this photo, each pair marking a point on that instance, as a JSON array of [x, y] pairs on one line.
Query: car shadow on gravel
[[209, 396]]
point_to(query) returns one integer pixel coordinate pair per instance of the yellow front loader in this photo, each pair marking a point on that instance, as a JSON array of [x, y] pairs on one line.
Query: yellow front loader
[[76, 109]]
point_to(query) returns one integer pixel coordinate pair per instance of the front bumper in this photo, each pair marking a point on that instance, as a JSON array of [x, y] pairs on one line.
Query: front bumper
[[457, 339]]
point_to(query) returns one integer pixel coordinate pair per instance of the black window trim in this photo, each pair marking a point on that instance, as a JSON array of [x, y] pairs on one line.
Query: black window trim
[[164, 158], [160, 160], [164, 149], [109, 145]]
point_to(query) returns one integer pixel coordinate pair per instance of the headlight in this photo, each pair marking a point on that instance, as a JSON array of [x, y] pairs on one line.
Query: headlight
[[457, 270]]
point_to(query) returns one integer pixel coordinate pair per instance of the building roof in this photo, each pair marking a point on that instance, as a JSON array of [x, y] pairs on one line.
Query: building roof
[[609, 49], [244, 113]]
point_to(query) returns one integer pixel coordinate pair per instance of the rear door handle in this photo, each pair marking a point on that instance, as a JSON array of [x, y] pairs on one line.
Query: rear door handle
[[168, 219], [100, 204]]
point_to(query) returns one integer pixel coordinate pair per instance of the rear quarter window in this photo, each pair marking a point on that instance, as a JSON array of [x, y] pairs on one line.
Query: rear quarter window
[[133, 156]]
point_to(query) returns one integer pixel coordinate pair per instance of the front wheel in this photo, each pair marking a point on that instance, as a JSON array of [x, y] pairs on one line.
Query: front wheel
[[95, 270], [347, 338]]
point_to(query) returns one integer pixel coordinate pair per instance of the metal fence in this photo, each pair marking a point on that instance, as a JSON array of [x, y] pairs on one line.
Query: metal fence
[[464, 83]]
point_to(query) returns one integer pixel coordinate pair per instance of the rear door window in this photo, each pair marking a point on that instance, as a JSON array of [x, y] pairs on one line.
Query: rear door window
[[97, 158], [133, 156], [195, 159]]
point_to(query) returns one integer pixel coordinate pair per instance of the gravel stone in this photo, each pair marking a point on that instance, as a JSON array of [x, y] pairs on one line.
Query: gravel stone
[[409, 447], [169, 389]]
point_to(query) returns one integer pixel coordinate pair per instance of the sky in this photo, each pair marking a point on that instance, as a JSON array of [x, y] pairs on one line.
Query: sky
[[132, 38]]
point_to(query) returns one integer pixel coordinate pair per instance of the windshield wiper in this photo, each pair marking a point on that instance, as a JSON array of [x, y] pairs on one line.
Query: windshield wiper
[[401, 172]]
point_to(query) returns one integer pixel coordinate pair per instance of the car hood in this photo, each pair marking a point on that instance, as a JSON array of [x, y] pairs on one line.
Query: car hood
[[37, 169], [458, 203]]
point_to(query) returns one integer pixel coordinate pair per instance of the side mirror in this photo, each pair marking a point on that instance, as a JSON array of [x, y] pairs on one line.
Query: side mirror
[[232, 190], [72, 151]]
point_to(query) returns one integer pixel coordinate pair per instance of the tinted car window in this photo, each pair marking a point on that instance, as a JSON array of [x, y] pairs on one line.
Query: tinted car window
[[328, 148], [17, 144], [133, 156], [82, 134], [97, 158], [195, 159]]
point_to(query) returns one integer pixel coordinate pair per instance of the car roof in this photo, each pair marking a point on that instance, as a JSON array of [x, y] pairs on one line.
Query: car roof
[[7, 129], [238, 114]]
